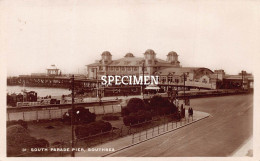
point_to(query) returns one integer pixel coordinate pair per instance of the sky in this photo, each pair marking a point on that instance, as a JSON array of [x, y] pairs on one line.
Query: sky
[[71, 34]]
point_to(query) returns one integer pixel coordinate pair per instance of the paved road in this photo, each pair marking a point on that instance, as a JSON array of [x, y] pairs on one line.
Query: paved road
[[230, 125]]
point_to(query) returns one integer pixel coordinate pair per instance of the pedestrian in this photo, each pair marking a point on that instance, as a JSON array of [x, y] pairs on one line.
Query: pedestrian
[[191, 112]]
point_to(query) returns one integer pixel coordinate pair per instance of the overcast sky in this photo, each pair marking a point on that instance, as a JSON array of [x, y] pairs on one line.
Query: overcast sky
[[70, 34]]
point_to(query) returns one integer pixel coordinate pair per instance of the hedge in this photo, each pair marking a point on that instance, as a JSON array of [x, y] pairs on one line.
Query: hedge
[[93, 128]]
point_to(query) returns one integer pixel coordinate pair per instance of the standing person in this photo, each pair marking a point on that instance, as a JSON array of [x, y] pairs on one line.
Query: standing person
[[191, 113]]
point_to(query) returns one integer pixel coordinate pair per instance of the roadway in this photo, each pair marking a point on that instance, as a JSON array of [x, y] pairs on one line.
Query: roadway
[[225, 131]]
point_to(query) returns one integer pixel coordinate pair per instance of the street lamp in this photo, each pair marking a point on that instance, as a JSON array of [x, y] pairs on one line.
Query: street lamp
[[143, 80], [72, 117], [184, 79], [96, 79]]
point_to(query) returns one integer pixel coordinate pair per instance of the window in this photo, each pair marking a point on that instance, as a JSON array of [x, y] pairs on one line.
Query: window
[[122, 68], [170, 79], [163, 79], [135, 68], [111, 68], [128, 68], [117, 68]]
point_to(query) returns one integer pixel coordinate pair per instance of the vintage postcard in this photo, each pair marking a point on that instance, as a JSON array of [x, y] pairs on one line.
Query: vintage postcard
[[164, 79]]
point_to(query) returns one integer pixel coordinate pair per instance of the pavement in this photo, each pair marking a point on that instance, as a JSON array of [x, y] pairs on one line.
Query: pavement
[[245, 150], [138, 138]]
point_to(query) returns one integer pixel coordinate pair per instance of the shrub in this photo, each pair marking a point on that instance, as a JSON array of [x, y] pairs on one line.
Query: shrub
[[19, 122], [135, 104], [93, 128], [110, 117], [139, 117], [81, 115], [42, 143], [125, 111], [162, 105], [18, 138]]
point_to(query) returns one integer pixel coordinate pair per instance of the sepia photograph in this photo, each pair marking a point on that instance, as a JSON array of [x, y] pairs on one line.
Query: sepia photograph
[[167, 78]]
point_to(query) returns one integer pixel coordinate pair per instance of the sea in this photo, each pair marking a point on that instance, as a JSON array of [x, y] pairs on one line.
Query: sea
[[41, 91]]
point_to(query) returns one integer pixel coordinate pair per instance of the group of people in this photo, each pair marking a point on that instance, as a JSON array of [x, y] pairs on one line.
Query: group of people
[[182, 112]]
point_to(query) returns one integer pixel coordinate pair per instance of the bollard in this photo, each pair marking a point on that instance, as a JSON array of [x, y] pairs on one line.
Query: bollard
[[112, 108], [37, 118], [101, 137], [176, 124], [8, 116], [60, 113], [167, 126], [146, 134], [49, 114], [103, 110], [158, 130], [139, 136], [112, 134], [172, 124], [23, 117], [133, 138], [152, 131]]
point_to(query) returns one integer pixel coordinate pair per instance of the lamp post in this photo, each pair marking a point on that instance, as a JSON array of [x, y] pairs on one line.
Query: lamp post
[[184, 79], [217, 82], [143, 81], [97, 80], [242, 85], [72, 117]]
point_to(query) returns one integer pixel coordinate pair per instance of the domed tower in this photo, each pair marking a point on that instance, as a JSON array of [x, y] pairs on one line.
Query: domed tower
[[106, 57], [172, 58], [129, 55], [149, 57]]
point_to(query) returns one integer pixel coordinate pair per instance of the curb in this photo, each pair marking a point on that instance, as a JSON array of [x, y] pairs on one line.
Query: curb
[[155, 136]]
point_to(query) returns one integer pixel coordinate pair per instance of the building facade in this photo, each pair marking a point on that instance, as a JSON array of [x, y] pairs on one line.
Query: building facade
[[130, 65], [169, 71]]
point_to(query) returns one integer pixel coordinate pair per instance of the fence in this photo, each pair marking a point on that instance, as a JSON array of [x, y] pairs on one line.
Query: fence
[[160, 129], [58, 113]]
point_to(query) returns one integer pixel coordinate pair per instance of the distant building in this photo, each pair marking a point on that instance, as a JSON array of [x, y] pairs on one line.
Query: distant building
[[53, 71]]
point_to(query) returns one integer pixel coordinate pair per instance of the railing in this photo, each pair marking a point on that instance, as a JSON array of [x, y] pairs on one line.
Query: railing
[[159, 130]]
